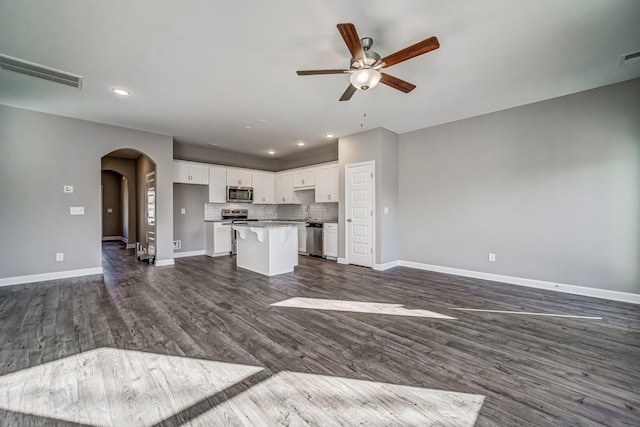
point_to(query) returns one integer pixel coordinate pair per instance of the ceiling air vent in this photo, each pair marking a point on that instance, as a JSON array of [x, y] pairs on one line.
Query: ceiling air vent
[[630, 58], [40, 71]]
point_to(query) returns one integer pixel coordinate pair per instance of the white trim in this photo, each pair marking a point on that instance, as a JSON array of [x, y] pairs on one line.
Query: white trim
[[342, 260], [31, 278], [386, 265], [187, 254], [540, 284], [112, 238], [131, 245], [164, 262]]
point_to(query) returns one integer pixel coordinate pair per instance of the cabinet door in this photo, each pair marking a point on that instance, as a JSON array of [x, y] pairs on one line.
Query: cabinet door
[[264, 188], [239, 177], [222, 239], [199, 174], [284, 189], [181, 172], [327, 184], [305, 178], [302, 239], [330, 240], [217, 185]]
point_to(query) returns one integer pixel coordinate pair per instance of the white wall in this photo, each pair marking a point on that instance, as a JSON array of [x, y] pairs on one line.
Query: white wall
[[553, 188], [39, 153]]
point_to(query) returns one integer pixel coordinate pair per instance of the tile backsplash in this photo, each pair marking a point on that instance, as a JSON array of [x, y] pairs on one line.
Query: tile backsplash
[[318, 211]]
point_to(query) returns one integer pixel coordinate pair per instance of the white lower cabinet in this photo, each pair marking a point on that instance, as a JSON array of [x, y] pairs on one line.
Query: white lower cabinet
[[302, 239], [217, 239], [330, 240]]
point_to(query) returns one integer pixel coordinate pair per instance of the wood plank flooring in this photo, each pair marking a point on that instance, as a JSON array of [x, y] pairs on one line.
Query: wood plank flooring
[[530, 370]]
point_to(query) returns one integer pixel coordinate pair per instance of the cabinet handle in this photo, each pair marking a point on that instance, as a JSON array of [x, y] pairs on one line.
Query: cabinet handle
[[283, 199], [328, 196], [239, 182], [303, 182]]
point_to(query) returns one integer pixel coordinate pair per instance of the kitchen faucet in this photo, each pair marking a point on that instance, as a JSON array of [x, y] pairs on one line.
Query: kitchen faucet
[[308, 212]]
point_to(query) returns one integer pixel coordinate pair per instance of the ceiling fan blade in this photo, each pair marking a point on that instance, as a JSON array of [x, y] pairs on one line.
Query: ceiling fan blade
[[348, 93], [412, 51], [315, 72], [396, 83], [352, 40]]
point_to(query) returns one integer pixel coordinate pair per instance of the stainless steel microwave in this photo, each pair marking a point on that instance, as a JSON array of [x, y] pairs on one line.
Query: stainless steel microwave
[[239, 194]]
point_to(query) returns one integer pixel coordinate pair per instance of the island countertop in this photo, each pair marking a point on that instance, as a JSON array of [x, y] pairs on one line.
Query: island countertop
[[267, 224]]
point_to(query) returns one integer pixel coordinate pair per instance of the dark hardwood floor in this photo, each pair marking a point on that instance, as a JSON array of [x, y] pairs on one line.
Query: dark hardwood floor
[[532, 370]]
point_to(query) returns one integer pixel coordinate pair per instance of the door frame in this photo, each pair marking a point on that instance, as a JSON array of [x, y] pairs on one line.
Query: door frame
[[371, 163]]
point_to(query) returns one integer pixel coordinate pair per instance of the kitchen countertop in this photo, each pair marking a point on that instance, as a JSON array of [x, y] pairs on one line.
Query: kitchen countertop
[[266, 224]]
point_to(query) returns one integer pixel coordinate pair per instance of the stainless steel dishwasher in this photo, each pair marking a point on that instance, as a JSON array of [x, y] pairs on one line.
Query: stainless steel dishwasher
[[314, 238]]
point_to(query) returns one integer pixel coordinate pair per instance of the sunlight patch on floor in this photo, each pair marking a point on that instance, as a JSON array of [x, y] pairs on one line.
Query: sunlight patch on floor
[[114, 387], [291, 398], [358, 307], [528, 313]]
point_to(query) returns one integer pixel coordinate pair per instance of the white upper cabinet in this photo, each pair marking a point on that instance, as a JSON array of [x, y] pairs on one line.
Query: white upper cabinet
[[238, 177], [217, 185], [327, 190], [284, 189], [190, 173], [304, 178], [264, 187]]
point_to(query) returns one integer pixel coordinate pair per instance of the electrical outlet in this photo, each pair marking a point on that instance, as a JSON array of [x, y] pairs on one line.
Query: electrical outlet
[[177, 244], [183, 211], [492, 257], [67, 188], [60, 256], [76, 210], [386, 210]]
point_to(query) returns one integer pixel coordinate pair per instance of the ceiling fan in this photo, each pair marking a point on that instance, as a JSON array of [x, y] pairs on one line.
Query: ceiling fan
[[365, 63]]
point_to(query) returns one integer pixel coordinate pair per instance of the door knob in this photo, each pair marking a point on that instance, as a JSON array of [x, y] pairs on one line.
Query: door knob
[[349, 220]]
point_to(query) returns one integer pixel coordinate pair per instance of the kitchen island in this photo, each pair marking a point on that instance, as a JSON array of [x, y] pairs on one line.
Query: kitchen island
[[268, 248]]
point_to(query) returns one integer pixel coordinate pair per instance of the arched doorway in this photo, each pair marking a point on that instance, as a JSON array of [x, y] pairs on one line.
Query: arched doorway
[[131, 168]]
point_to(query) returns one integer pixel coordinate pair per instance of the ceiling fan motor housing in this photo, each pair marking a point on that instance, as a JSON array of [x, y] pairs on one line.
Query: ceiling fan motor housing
[[371, 58]]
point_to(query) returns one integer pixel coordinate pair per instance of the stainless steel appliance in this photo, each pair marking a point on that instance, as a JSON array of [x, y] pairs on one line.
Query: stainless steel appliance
[[235, 216], [314, 238], [239, 194]]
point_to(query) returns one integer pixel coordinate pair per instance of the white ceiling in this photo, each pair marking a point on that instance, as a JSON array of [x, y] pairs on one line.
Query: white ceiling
[[203, 70]]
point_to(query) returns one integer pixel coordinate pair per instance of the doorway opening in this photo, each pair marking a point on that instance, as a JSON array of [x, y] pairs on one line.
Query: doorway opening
[[125, 201]]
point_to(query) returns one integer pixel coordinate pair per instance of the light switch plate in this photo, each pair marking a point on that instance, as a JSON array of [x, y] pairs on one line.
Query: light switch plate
[[492, 257], [67, 189], [76, 210], [183, 211], [60, 256]]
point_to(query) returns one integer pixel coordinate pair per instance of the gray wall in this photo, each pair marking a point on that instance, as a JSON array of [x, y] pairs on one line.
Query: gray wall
[[552, 188], [217, 156], [39, 153], [111, 200], [189, 228], [381, 146]]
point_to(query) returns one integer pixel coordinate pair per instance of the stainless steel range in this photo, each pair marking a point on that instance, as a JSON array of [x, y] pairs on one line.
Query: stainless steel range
[[235, 216]]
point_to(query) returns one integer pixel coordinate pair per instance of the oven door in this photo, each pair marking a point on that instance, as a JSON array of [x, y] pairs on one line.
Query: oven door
[[239, 194]]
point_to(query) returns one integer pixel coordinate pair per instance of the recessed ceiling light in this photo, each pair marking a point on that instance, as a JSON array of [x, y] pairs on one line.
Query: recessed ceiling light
[[262, 121], [247, 127], [121, 92], [329, 135], [300, 143], [271, 152]]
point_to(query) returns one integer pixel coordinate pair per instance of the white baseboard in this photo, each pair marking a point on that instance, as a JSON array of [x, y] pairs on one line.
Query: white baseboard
[[341, 260], [386, 265], [164, 262], [187, 254], [131, 245], [112, 238], [540, 284], [31, 278]]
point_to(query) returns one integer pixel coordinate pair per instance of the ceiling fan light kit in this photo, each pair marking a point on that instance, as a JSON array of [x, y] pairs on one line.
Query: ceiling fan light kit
[[365, 78], [365, 63]]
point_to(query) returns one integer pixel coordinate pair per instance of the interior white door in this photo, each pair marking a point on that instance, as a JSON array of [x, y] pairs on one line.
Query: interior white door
[[359, 212], [151, 213]]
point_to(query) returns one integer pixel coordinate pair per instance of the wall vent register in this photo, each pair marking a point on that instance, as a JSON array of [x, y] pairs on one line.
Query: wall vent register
[[32, 69]]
